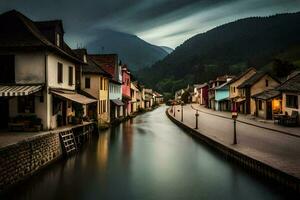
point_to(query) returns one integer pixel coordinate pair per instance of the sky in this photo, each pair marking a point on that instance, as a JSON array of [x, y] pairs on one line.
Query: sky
[[160, 22]]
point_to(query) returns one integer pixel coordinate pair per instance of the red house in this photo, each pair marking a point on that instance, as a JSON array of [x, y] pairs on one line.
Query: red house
[[126, 90], [203, 94]]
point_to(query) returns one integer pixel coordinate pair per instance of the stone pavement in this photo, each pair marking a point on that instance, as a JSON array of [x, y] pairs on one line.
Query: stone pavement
[[281, 151]]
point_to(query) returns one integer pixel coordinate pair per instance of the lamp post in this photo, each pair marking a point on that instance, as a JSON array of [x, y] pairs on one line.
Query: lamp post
[[182, 111], [197, 115], [234, 117]]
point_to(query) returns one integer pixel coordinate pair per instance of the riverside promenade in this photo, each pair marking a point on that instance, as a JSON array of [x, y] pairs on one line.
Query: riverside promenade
[[271, 145]]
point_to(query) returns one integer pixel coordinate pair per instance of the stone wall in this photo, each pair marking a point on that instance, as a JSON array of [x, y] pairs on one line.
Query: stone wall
[[20, 160]]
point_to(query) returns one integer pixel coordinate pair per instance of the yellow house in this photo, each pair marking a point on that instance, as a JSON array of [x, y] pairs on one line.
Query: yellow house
[[235, 94], [257, 84], [94, 83]]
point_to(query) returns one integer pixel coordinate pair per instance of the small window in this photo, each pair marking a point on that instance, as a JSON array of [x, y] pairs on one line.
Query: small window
[[87, 82], [70, 76], [26, 104], [234, 89], [292, 101], [57, 39], [260, 105], [101, 84], [267, 83], [84, 58], [59, 72]]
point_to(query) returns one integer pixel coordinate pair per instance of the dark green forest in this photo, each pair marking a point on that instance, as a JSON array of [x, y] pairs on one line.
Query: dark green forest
[[266, 43]]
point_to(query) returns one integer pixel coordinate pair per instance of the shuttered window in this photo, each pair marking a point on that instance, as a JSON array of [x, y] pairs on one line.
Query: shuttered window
[[59, 72], [70, 76]]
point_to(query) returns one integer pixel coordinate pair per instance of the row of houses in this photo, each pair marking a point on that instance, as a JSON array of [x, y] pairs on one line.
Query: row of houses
[[44, 83], [252, 92]]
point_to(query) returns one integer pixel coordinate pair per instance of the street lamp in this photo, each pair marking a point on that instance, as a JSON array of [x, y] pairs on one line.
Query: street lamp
[[234, 117], [197, 115], [182, 111]]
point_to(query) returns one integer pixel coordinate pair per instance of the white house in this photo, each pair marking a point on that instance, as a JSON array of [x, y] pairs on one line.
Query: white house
[[37, 81]]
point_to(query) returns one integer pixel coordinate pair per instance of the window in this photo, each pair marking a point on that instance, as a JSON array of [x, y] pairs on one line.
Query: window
[[234, 89], [292, 101], [260, 105], [70, 76], [57, 39], [7, 66], [87, 82], [59, 72], [104, 106], [26, 104], [267, 83]]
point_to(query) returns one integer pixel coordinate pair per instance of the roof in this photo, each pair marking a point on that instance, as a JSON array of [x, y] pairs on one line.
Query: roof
[[255, 78], [242, 74], [201, 85], [93, 68], [268, 94], [19, 32], [117, 102], [107, 62], [224, 86], [291, 85]]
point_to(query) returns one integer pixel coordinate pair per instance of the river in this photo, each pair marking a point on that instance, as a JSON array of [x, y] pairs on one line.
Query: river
[[146, 158]]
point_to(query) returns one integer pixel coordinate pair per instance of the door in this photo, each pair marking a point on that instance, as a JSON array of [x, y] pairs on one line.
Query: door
[[64, 112], [269, 109], [4, 112]]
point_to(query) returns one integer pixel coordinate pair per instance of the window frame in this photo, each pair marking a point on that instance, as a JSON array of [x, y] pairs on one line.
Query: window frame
[[292, 101]]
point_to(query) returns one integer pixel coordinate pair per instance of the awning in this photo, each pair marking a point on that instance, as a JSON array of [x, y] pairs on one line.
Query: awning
[[240, 100], [73, 96], [266, 95], [224, 99], [117, 102], [18, 90]]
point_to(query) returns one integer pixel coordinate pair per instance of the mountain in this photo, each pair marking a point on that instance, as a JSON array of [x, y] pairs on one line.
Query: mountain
[[167, 49], [229, 48], [132, 50]]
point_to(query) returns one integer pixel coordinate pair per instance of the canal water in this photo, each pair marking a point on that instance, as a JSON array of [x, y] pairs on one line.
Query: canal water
[[147, 158]]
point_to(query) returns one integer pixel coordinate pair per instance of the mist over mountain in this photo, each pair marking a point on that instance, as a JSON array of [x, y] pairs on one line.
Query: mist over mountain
[[227, 49], [132, 50]]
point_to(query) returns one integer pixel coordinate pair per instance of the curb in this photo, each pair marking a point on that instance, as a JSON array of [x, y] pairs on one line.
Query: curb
[[249, 163]]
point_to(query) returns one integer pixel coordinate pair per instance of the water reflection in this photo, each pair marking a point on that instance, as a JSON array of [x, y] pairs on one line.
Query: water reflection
[[103, 150]]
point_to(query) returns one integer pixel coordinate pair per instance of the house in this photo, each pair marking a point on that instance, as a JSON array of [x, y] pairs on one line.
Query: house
[[92, 85], [237, 101], [158, 98], [37, 79], [148, 100], [134, 90], [126, 83], [259, 82], [213, 84], [291, 94], [110, 63], [222, 98], [203, 94], [268, 103]]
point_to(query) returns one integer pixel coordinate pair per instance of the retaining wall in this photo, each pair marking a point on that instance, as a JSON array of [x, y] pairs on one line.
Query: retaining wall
[[22, 159]]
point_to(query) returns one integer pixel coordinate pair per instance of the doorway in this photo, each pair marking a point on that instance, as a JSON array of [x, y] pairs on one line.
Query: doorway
[[4, 112], [269, 110]]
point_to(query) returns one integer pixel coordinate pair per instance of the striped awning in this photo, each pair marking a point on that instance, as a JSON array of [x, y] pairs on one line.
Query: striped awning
[[18, 90]]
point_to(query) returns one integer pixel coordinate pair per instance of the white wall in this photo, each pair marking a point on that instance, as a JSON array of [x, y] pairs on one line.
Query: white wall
[[30, 67], [52, 72], [94, 80]]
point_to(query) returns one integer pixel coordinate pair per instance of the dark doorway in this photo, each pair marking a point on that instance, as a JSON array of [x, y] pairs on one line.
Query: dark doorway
[[4, 112], [269, 109], [64, 112]]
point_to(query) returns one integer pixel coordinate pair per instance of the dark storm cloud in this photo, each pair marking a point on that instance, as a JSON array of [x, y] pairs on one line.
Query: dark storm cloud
[[165, 22]]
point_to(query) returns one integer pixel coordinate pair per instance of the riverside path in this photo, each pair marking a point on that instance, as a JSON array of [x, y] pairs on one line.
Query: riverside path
[[274, 148]]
